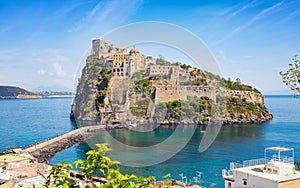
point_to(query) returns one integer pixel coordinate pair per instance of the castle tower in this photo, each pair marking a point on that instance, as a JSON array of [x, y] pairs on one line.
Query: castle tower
[[95, 47]]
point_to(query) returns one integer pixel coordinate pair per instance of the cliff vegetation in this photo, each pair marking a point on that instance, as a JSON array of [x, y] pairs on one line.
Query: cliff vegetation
[[121, 87]]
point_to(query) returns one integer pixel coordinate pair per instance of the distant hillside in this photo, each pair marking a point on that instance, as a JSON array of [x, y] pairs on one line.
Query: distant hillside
[[12, 92], [56, 88]]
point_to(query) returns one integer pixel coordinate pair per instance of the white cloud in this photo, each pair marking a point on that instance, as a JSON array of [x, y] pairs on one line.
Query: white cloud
[[50, 56], [42, 72], [244, 8], [106, 11], [69, 7], [292, 15], [59, 70], [249, 23], [86, 18]]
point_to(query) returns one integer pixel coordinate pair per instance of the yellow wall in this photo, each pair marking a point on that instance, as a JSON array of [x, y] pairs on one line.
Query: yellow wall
[[290, 184]]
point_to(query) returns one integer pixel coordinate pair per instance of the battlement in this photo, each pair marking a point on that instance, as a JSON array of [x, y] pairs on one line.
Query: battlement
[[250, 96], [169, 92]]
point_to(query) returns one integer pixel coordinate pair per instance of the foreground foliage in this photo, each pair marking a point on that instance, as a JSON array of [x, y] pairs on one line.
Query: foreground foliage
[[291, 77], [96, 163]]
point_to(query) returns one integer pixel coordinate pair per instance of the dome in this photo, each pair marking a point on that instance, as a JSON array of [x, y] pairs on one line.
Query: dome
[[134, 50]]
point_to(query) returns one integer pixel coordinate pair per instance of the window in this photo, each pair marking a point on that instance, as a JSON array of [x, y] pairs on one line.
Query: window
[[244, 182]]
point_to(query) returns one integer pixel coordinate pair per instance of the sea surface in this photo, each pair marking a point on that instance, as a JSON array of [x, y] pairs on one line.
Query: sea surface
[[26, 121]]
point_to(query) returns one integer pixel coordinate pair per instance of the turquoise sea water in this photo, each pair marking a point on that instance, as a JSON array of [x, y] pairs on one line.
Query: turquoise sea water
[[23, 122]]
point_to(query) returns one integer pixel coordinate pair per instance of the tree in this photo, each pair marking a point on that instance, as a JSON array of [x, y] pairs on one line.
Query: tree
[[291, 77], [96, 163], [238, 81]]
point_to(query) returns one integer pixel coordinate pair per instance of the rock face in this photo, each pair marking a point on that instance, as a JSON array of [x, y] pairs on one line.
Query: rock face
[[248, 119], [11, 92], [44, 154], [121, 87], [44, 150]]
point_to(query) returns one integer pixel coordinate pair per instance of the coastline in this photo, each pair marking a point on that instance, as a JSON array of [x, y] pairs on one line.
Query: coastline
[[36, 97], [44, 150], [22, 97]]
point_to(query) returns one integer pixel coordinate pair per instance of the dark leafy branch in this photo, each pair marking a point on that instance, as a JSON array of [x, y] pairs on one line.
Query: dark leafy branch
[[291, 77]]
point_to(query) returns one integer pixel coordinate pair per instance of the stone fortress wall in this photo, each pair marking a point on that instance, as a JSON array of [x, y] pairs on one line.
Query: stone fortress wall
[[125, 64], [167, 93]]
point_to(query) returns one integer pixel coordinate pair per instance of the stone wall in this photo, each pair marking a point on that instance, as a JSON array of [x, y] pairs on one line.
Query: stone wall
[[196, 91], [166, 93]]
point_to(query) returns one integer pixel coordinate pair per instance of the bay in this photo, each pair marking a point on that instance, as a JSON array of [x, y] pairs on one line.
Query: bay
[[23, 122]]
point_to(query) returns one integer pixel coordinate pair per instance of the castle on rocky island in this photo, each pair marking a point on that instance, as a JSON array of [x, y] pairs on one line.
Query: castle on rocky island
[[171, 86], [122, 63]]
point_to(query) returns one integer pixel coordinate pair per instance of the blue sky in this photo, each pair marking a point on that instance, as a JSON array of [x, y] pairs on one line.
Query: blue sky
[[44, 42]]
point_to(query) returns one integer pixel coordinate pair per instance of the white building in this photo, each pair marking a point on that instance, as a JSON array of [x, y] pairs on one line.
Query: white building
[[273, 171]]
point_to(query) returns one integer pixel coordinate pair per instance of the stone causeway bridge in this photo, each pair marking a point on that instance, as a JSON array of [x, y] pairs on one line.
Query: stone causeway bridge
[[46, 149]]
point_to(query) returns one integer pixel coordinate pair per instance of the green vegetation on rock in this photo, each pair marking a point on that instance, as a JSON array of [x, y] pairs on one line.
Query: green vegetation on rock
[[239, 108], [230, 85], [143, 85], [104, 77], [106, 93], [138, 74], [185, 66], [94, 78], [162, 61], [202, 110], [140, 109], [194, 110]]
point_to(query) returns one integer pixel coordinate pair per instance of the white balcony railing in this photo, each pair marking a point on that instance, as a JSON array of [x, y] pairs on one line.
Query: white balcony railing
[[262, 161], [227, 173], [254, 162]]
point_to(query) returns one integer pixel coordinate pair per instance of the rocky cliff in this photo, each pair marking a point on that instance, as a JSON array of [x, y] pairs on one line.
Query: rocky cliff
[[126, 88]]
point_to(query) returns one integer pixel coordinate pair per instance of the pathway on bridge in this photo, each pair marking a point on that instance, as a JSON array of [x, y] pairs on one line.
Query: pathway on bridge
[[46, 149]]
